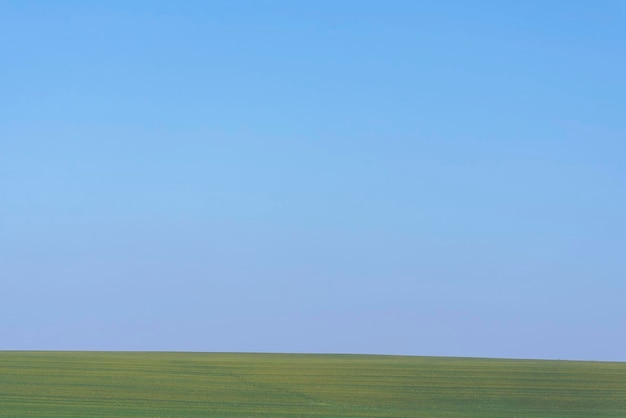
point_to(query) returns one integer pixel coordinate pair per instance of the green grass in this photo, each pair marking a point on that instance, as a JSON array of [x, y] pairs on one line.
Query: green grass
[[272, 385]]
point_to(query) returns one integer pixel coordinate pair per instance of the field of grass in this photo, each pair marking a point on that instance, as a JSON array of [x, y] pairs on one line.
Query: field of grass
[[293, 385]]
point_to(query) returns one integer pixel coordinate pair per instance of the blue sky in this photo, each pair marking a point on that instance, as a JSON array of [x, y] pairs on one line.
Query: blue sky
[[400, 177]]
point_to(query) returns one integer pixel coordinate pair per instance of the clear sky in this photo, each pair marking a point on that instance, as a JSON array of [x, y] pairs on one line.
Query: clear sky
[[402, 177]]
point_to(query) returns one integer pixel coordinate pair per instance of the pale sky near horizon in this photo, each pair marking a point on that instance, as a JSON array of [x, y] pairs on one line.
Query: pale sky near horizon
[[398, 177]]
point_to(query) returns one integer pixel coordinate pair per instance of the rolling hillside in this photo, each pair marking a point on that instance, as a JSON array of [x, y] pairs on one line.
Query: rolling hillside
[[294, 385]]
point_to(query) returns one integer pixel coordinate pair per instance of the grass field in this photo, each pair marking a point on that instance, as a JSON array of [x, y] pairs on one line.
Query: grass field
[[293, 385]]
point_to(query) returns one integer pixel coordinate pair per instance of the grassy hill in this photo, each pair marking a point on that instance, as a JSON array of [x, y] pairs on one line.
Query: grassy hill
[[293, 385]]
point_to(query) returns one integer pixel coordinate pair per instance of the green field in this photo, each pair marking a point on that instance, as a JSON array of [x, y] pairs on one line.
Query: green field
[[272, 385]]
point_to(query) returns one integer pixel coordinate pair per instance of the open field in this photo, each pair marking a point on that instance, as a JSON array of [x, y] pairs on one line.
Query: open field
[[294, 385]]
